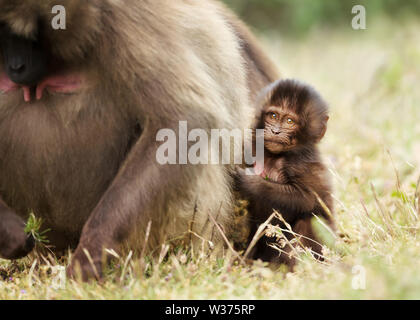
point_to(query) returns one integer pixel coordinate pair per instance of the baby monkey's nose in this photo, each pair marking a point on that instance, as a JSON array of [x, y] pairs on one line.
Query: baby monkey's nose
[[275, 130]]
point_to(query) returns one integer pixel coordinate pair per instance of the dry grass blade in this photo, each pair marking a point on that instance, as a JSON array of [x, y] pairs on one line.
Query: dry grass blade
[[297, 237], [387, 219], [31, 272], [214, 225], [130, 255], [226, 239], [193, 220], [146, 240], [395, 171], [324, 206], [365, 210], [325, 226], [113, 253], [92, 264], [258, 235], [163, 252], [292, 254]]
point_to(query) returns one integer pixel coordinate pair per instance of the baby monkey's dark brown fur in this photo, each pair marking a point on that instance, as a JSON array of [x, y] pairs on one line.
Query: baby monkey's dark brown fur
[[294, 119]]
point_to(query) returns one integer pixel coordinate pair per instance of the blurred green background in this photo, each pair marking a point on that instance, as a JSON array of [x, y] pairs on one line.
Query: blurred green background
[[298, 17]]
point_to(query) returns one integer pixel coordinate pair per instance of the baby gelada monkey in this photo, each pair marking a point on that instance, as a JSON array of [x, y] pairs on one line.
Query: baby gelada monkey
[[294, 120]]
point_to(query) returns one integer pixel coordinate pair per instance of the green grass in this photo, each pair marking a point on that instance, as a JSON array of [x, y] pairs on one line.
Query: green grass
[[372, 148]]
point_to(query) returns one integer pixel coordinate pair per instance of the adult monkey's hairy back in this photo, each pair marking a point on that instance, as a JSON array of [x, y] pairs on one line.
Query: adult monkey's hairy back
[[85, 161]]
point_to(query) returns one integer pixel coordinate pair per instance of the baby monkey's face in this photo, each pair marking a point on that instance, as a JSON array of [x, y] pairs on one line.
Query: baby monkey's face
[[281, 126]]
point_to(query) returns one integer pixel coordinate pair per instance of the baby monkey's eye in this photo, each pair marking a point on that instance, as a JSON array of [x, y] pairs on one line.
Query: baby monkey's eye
[[272, 115], [290, 121]]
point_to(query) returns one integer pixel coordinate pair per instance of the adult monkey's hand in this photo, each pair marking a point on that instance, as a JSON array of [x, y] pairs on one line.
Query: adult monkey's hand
[[14, 242]]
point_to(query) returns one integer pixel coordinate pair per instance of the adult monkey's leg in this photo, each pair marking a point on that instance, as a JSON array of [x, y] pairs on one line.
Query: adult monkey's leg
[[131, 201]]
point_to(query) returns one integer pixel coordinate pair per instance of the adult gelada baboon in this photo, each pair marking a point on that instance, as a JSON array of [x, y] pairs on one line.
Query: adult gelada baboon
[[80, 109]]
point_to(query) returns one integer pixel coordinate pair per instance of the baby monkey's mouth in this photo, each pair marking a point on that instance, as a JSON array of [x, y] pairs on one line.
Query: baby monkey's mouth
[[64, 82]]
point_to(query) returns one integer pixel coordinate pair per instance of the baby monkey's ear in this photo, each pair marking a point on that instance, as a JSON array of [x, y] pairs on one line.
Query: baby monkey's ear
[[324, 125]]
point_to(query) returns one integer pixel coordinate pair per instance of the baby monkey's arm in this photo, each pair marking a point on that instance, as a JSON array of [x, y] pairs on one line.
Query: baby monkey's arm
[[289, 196]]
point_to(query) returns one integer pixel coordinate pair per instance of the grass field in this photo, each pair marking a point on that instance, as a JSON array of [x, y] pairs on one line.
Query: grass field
[[372, 148]]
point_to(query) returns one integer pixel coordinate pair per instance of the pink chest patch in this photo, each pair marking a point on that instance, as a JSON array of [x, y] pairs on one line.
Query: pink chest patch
[[259, 169], [6, 85], [61, 83]]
